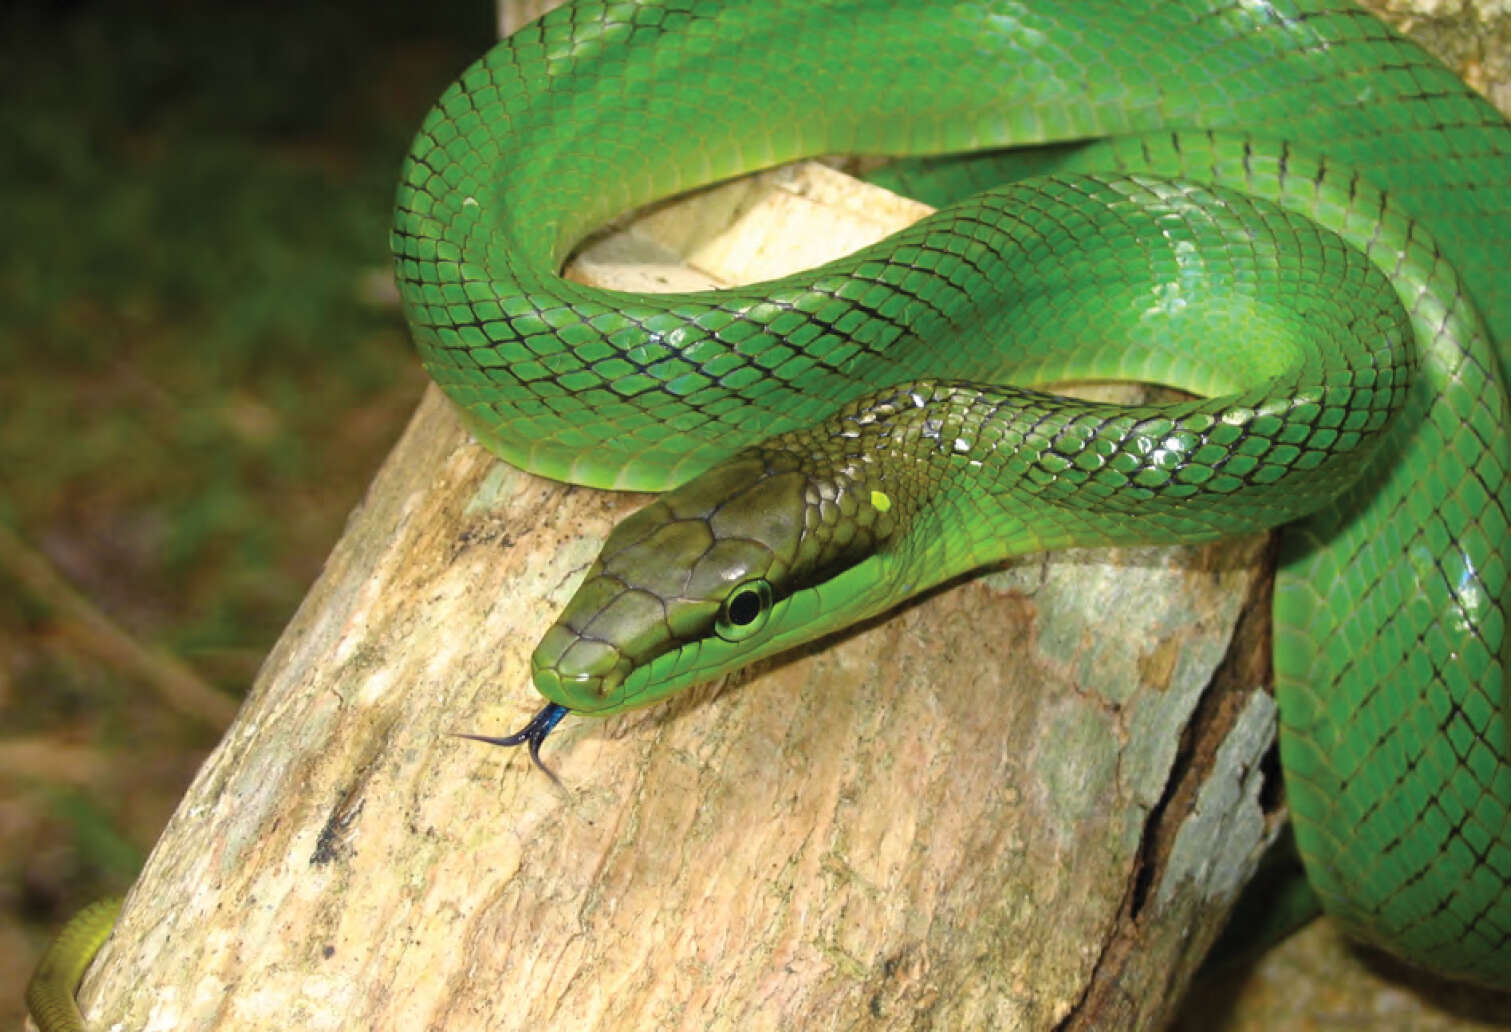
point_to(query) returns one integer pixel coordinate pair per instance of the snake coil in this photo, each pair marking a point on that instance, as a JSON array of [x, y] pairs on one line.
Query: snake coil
[[1278, 205]]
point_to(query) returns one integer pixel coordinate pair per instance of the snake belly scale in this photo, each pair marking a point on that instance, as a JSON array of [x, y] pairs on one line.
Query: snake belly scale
[[1277, 205]]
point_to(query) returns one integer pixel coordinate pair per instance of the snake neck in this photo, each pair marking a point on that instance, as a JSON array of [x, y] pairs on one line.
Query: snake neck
[[971, 474]]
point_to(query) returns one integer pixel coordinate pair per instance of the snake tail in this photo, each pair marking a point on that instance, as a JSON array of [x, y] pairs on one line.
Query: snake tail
[[50, 991]]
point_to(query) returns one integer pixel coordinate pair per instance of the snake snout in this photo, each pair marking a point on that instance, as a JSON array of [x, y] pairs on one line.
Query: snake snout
[[580, 673]]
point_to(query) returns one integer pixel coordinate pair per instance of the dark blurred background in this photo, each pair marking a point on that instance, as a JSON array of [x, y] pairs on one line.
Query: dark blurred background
[[202, 363]]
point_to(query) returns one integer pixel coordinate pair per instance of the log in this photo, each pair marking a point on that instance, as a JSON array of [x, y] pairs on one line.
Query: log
[[1024, 801]]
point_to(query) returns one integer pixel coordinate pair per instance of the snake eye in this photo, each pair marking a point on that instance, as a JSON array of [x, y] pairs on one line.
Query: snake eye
[[745, 610]]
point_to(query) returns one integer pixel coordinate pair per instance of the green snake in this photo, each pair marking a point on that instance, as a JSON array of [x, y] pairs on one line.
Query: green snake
[[1276, 205]]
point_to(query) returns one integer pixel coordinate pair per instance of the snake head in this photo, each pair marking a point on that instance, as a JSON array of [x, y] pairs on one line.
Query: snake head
[[711, 576]]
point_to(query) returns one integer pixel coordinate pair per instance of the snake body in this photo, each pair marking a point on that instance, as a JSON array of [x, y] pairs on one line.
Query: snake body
[[839, 440], [1278, 205]]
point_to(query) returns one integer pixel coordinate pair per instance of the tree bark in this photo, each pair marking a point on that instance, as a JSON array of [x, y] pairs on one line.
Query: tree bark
[[1003, 806]]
